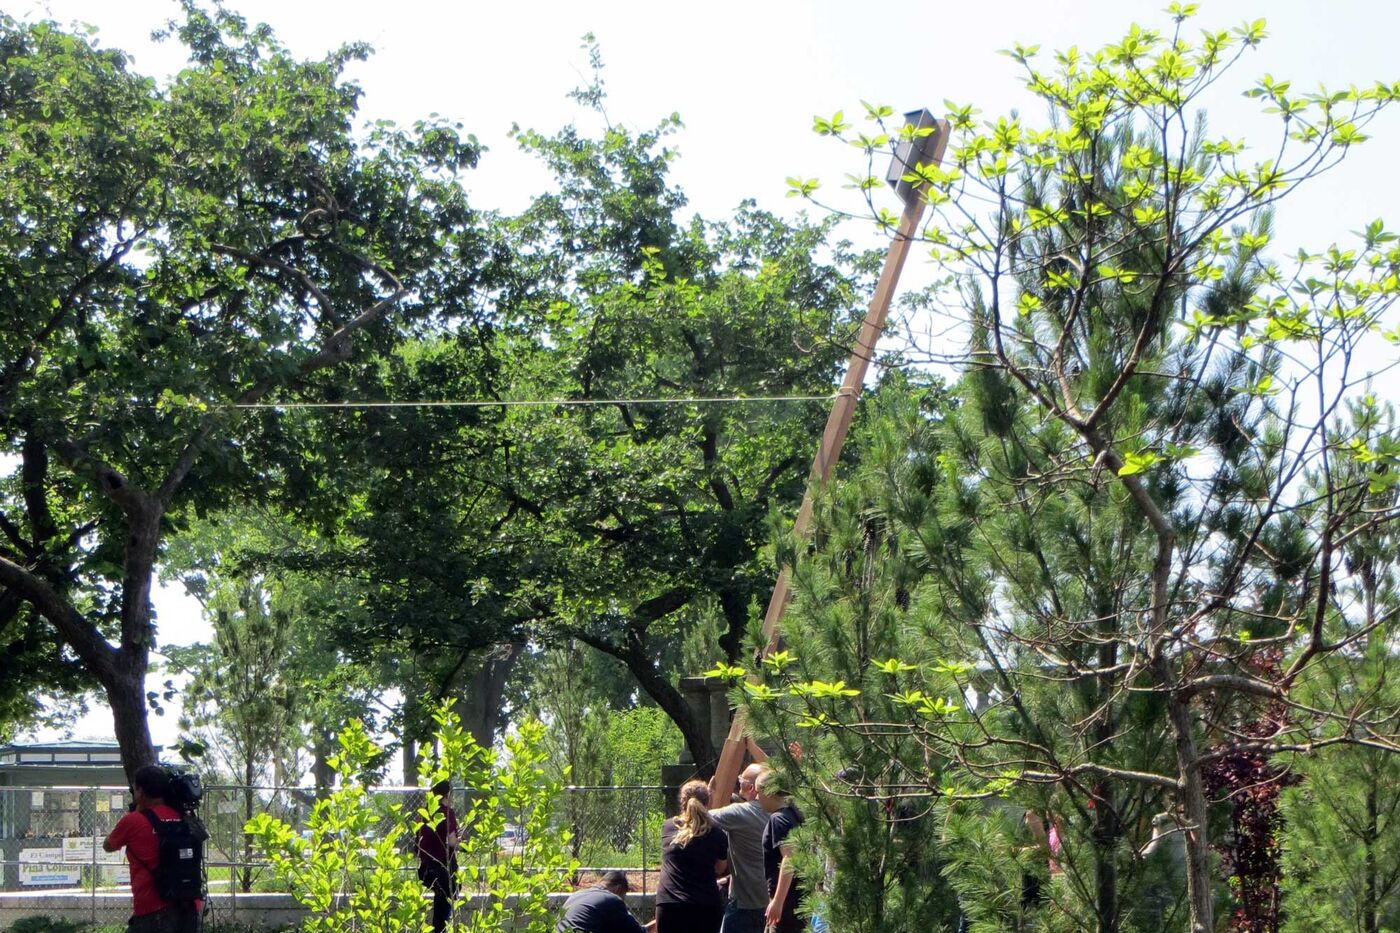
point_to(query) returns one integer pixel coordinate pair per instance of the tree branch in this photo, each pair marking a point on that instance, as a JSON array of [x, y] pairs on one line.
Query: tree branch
[[97, 654]]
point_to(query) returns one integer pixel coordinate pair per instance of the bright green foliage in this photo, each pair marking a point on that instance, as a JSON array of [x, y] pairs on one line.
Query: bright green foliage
[[354, 870], [510, 890], [638, 739]]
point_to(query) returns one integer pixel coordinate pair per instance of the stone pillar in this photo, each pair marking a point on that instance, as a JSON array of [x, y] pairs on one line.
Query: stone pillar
[[708, 699]]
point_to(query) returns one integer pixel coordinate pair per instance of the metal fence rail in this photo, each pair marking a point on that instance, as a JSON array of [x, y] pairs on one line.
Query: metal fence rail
[[51, 837]]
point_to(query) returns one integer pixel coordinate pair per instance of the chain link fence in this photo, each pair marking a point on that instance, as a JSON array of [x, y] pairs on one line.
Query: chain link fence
[[51, 841], [616, 827]]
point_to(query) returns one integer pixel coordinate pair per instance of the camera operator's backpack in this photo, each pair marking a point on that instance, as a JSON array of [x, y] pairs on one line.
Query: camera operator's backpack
[[179, 869]]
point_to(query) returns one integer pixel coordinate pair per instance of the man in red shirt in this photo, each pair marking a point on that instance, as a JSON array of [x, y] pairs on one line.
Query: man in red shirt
[[149, 913]]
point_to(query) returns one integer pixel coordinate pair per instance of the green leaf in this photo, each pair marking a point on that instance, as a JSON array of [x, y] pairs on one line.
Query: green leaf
[[834, 126], [779, 660], [724, 671], [761, 693], [822, 690], [1180, 12], [1135, 463], [877, 112]]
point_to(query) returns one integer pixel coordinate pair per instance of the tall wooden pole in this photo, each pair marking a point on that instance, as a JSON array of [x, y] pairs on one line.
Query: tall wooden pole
[[838, 424]]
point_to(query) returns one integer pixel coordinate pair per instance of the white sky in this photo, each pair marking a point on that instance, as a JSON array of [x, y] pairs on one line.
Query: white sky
[[747, 78]]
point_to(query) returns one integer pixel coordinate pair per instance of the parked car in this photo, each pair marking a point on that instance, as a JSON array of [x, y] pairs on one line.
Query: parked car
[[512, 841]]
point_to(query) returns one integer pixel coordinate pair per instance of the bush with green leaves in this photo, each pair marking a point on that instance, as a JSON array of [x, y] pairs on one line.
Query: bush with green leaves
[[504, 890], [46, 925], [353, 868]]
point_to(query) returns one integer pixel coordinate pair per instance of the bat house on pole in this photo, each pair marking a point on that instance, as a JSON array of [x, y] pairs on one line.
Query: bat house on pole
[[922, 143]]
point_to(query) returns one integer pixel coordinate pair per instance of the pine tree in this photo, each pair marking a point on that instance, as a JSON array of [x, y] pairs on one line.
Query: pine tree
[[1341, 839], [1131, 529], [874, 862]]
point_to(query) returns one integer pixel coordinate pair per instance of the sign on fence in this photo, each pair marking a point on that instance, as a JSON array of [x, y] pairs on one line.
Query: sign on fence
[[88, 849], [44, 867]]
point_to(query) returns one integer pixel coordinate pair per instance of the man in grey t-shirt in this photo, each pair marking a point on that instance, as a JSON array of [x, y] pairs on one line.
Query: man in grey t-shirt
[[745, 822]]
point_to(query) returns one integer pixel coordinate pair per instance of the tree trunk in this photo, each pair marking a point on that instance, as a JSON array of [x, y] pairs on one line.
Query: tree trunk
[[697, 739], [1192, 799], [479, 707], [126, 694], [1108, 829], [408, 748], [321, 773], [1371, 907], [734, 605], [246, 882], [1106, 836]]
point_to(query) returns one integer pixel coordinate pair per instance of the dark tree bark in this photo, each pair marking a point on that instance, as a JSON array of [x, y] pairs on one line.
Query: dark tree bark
[[322, 775], [654, 682], [479, 705], [408, 749], [1192, 800], [126, 695]]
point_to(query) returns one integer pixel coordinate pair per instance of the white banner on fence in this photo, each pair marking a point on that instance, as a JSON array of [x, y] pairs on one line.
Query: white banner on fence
[[88, 849], [44, 867], [28, 856]]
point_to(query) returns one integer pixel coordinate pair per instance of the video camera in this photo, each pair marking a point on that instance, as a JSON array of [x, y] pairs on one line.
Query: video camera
[[185, 791]]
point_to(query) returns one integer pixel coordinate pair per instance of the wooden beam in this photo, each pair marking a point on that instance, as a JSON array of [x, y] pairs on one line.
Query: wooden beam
[[838, 424]]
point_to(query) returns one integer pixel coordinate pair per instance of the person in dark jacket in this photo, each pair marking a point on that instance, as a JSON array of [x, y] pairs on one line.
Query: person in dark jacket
[[436, 843], [600, 909]]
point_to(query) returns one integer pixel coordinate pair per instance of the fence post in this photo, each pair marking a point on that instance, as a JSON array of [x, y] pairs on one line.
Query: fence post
[[646, 818], [234, 848], [91, 798]]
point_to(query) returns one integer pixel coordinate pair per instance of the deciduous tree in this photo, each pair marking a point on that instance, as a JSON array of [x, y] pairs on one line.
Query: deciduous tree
[[171, 250]]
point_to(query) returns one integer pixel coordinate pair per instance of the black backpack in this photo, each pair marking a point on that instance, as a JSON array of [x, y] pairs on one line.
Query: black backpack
[[179, 870]]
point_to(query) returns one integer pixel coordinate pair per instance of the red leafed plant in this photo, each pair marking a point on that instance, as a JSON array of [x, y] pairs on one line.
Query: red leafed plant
[[1250, 853]]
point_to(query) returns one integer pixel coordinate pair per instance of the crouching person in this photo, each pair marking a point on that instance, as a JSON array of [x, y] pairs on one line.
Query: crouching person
[[600, 909]]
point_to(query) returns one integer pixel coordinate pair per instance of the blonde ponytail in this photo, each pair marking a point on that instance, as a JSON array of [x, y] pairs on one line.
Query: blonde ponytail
[[694, 819]]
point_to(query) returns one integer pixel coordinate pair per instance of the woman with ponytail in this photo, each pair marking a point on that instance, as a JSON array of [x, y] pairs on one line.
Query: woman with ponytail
[[694, 853]]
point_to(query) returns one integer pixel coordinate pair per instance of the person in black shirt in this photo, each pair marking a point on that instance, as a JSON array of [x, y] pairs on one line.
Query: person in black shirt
[[784, 893], [694, 852], [599, 909]]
